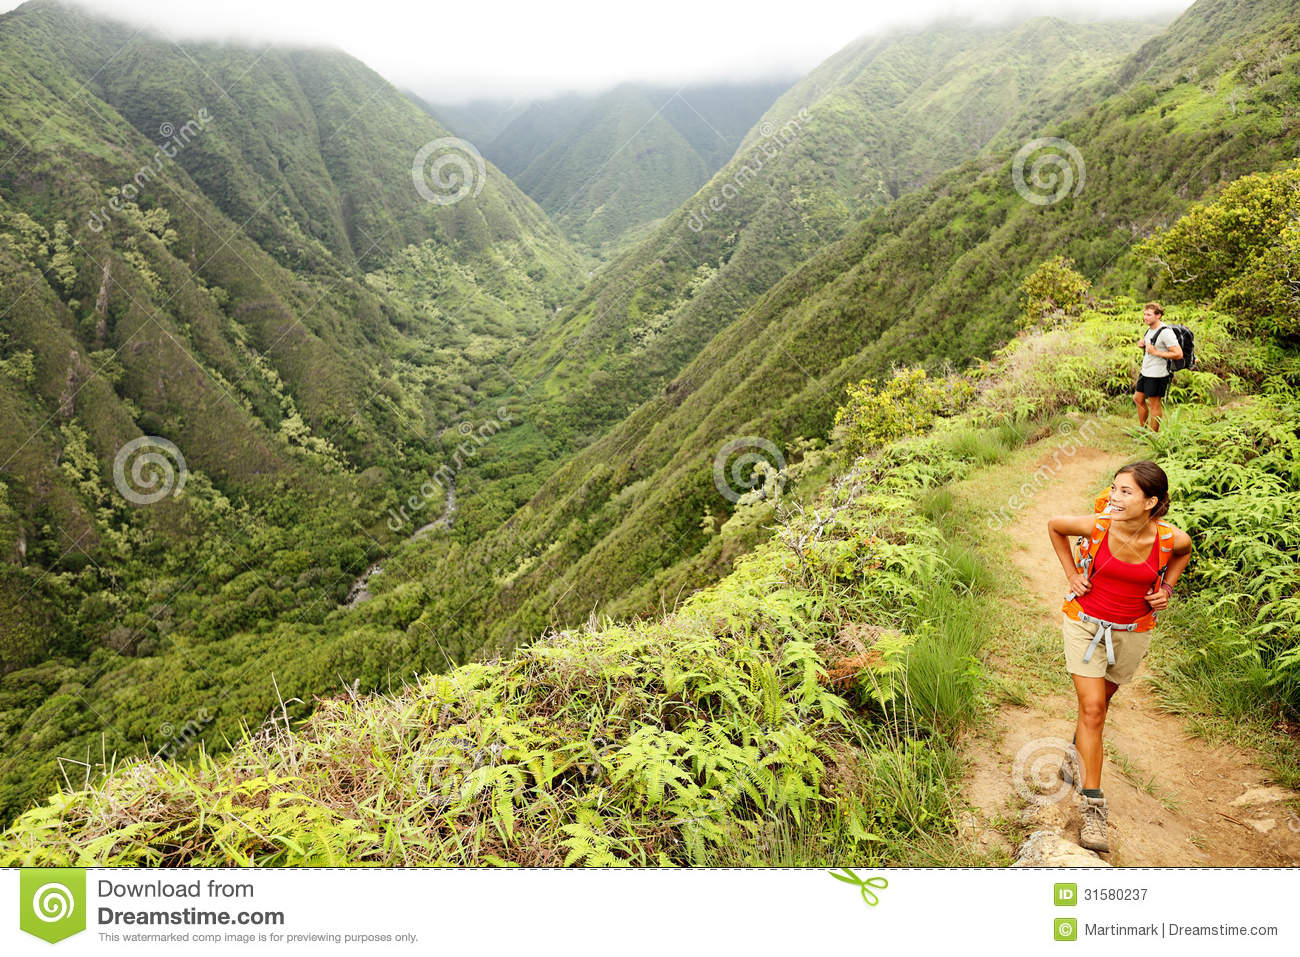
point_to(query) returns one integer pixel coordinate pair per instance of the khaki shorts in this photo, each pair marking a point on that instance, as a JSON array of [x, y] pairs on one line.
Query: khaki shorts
[[1130, 648]]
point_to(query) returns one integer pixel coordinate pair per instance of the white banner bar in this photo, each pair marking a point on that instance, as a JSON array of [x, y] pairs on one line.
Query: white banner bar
[[574, 912]]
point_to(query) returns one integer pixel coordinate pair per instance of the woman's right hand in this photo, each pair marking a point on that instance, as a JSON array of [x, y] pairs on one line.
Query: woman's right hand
[[1079, 583]]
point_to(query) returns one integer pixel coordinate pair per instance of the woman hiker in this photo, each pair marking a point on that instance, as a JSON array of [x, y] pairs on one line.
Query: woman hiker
[[1132, 561]]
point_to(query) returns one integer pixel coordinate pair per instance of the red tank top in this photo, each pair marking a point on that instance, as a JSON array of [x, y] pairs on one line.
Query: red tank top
[[1118, 587]]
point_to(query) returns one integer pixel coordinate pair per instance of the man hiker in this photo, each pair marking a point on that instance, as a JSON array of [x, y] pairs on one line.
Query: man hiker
[[1153, 380]]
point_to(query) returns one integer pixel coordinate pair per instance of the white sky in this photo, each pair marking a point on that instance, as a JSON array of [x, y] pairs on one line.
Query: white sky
[[450, 51]]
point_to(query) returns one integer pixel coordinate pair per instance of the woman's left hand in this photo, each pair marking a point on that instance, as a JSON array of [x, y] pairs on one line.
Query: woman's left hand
[[1158, 599]]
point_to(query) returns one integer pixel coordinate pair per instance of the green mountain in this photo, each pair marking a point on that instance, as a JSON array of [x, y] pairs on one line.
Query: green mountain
[[606, 166], [635, 519], [699, 337], [875, 121], [583, 444], [479, 120], [515, 135], [220, 253]]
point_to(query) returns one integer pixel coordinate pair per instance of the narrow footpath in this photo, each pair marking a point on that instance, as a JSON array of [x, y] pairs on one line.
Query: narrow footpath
[[1174, 799]]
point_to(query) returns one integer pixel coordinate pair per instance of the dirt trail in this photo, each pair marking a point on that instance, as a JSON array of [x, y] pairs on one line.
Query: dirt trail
[[1202, 804]]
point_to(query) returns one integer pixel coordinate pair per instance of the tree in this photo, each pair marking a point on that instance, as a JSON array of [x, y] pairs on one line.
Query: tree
[[1240, 252], [1052, 292]]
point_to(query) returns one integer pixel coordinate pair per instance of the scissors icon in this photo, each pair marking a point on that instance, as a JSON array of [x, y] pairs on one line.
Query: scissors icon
[[868, 895]]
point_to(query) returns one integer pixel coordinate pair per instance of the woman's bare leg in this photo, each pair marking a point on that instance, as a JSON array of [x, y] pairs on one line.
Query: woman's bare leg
[[1094, 699]]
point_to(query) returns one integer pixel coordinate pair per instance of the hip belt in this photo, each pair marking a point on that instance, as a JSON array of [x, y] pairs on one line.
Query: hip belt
[[1104, 628]]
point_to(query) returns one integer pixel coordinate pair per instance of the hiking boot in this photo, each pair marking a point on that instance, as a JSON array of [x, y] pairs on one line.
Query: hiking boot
[[1070, 772], [1092, 833]]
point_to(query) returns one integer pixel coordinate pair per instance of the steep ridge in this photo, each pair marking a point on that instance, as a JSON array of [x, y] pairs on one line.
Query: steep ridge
[[606, 168], [656, 307], [632, 521], [217, 258], [875, 121]]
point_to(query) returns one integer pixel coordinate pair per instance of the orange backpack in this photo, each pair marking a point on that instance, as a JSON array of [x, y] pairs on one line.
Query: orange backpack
[[1085, 554]]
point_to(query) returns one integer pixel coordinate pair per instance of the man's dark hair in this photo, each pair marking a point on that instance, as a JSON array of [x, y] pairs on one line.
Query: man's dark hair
[[1158, 309]]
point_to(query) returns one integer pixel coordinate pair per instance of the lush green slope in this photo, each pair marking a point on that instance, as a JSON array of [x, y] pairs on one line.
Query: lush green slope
[[828, 156], [225, 249], [533, 127], [479, 120], [605, 166], [240, 578], [875, 121], [802, 711], [927, 279], [635, 519]]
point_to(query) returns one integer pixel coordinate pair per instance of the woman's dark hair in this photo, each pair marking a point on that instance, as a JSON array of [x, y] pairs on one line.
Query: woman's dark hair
[[1152, 480]]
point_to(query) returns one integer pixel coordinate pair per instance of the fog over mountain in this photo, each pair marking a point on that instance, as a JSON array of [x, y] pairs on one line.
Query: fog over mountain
[[450, 53]]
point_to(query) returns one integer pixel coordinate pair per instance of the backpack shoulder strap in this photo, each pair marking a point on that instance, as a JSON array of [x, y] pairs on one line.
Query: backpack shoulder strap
[[1100, 526], [1155, 343], [1165, 536]]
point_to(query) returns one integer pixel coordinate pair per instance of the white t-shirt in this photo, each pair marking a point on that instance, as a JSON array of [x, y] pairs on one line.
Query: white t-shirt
[[1154, 367]]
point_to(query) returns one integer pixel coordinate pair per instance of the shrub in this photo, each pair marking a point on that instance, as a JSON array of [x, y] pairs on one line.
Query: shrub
[[905, 405], [1238, 251], [1052, 292]]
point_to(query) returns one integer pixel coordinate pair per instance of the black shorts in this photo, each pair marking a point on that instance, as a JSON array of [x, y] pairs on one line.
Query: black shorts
[[1151, 387]]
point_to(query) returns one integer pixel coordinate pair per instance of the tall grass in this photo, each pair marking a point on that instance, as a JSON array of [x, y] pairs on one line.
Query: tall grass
[[943, 665], [985, 446]]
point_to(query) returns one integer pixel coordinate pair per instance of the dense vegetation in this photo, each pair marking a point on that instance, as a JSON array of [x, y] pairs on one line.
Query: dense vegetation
[[876, 121], [214, 246], [606, 166], [634, 519], [327, 349], [801, 711]]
